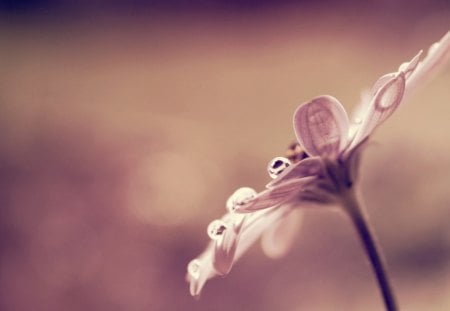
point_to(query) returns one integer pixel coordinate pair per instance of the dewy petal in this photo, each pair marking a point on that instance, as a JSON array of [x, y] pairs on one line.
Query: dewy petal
[[275, 196], [437, 55], [279, 238], [383, 104], [225, 248], [361, 109], [252, 228], [205, 272], [321, 126], [306, 167]]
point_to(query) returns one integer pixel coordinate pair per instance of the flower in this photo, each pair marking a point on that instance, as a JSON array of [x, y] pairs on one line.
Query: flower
[[333, 145]]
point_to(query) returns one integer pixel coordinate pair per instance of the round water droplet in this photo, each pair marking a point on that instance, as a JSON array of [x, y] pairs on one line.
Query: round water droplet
[[277, 166], [216, 229], [240, 197], [433, 48], [403, 66], [193, 268], [358, 120]]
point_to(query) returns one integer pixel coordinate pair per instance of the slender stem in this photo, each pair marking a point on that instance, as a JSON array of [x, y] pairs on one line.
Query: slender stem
[[359, 219]]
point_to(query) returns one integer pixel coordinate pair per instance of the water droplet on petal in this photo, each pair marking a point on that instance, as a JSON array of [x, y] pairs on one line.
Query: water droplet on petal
[[358, 120], [403, 66], [216, 229], [433, 48], [240, 197], [193, 268], [277, 166]]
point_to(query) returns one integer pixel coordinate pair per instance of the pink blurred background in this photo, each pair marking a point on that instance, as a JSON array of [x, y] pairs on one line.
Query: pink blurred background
[[124, 127]]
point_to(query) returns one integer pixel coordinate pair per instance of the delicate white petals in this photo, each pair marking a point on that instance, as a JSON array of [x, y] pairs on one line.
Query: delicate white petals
[[383, 104], [438, 54], [306, 167], [321, 126], [220, 255], [275, 196], [278, 240], [322, 129]]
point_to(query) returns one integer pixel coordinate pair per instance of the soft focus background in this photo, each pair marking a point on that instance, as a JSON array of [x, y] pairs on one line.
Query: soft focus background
[[125, 125]]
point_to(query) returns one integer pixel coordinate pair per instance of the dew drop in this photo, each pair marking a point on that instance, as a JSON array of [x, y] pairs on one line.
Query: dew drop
[[277, 166], [433, 48], [216, 229], [358, 120], [193, 268], [240, 197]]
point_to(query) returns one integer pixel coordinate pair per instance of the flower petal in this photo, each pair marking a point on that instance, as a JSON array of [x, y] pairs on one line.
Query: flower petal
[[409, 67], [275, 196], [225, 248], [352, 161], [321, 126], [279, 238], [383, 104], [437, 55], [252, 228], [306, 167], [200, 270]]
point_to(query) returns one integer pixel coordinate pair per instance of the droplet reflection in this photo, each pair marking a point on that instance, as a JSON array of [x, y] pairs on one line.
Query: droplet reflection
[[193, 268], [277, 166], [216, 229], [240, 197]]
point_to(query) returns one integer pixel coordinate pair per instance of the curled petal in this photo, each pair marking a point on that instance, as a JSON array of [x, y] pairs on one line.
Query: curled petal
[[275, 196], [200, 270], [307, 167], [321, 126], [383, 104], [279, 238]]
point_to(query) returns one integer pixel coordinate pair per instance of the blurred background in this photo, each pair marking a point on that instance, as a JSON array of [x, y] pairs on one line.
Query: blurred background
[[125, 126]]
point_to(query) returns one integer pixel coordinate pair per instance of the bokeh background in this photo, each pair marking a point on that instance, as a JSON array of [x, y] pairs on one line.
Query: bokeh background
[[125, 125]]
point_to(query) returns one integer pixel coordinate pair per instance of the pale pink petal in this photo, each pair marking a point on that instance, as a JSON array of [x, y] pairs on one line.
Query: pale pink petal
[[383, 104], [438, 54], [306, 167], [197, 279], [275, 196], [409, 67], [367, 95], [321, 126], [278, 240], [225, 248], [257, 224], [251, 230], [352, 161]]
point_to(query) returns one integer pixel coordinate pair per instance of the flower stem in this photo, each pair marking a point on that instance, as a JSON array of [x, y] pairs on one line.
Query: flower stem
[[362, 225]]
